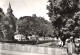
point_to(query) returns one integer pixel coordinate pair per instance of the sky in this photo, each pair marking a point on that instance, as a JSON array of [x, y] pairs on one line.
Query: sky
[[26, 7]]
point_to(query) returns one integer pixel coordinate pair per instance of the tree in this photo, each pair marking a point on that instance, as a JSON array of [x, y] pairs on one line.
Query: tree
[[7, 26], [61, 13], [2, 29], [33, 25]]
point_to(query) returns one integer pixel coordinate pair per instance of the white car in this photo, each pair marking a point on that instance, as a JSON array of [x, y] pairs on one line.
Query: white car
[[19, 37]]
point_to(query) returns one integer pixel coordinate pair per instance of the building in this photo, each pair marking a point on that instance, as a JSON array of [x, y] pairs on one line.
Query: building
[[11, 18]]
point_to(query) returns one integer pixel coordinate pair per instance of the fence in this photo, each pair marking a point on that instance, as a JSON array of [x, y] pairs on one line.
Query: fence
[[32, 49]]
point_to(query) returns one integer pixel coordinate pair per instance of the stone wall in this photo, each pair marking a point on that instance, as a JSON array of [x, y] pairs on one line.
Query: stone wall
[[32, 49]]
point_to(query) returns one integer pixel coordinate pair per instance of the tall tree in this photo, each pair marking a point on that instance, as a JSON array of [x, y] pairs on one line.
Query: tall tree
[[61, 14]]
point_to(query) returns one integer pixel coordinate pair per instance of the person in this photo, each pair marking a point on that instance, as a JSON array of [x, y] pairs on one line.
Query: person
[[70, 46]]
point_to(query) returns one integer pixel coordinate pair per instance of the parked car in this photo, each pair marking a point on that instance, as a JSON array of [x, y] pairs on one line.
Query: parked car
[[33, 37], [19, 37], [41, 38]]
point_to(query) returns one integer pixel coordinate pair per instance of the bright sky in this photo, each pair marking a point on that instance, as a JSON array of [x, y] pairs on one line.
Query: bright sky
[[26, 7]]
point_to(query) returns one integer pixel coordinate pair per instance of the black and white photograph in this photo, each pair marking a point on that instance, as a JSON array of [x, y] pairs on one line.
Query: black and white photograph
[[39, 27]]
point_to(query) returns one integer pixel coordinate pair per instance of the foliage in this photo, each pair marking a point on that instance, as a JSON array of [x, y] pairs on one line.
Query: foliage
[[7, 26], [62, 15], [30, 25]]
